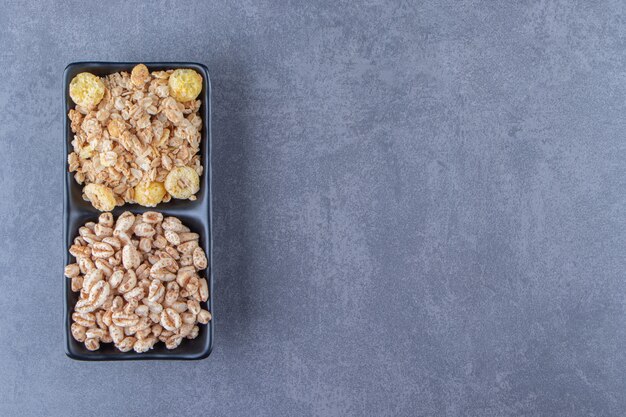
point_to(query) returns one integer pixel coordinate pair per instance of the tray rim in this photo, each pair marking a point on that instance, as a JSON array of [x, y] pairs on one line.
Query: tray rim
[[150, 355]]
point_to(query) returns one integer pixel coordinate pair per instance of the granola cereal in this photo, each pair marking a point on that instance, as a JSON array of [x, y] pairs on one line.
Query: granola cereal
[[101, 197], [134, 290], [136, 136]]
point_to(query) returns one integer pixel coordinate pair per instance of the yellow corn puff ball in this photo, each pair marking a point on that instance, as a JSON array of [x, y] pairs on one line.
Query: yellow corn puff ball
[[149, 194], [86, 89], [182, 182], [185, 84]]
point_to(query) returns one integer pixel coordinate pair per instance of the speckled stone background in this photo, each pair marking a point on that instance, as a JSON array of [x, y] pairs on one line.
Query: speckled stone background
[[419, 208]]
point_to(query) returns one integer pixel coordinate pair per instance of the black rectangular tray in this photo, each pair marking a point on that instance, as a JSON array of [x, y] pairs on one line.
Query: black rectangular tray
[[197, 215]]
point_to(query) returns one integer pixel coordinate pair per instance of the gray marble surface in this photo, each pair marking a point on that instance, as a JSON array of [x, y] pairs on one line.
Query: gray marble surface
[[419, 208]]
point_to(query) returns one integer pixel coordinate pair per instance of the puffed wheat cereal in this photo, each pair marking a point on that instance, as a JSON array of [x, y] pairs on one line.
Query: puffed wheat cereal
[[133, 290]]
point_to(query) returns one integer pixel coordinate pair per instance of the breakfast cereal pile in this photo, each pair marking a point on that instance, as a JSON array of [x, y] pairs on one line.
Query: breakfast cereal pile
[[139, 282], [136, 136]]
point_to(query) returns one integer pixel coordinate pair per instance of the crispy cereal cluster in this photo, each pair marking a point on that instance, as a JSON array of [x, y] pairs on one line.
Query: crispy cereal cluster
[[136, 136]]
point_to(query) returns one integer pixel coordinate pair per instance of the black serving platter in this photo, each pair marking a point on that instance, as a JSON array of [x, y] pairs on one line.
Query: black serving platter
[[194, 214]]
